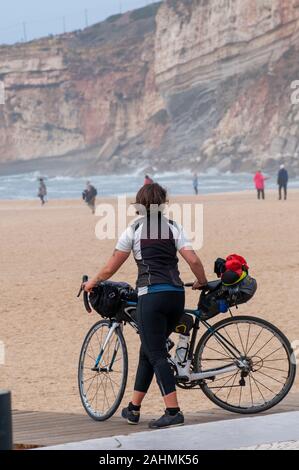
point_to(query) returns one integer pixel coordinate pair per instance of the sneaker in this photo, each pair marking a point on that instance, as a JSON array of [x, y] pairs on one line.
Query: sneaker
[[131, 416], [167, 421]]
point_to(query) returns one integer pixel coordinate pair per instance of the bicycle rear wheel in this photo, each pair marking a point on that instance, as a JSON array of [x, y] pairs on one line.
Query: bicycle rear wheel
[[102, 387], [266, 350]]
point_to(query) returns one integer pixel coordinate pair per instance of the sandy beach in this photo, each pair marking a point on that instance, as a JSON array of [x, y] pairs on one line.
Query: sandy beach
[[45, 251]]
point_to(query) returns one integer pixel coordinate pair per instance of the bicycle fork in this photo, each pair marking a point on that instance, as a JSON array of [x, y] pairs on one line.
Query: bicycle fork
[[96, 367]]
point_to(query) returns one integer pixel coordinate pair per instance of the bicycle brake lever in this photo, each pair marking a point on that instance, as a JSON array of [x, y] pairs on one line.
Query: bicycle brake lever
[[80, 291], [84, 279]]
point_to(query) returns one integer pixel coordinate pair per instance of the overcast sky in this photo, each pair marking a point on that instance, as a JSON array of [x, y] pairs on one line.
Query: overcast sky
[[43, 17]]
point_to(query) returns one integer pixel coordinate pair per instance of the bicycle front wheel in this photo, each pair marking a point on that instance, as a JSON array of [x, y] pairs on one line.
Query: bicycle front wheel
[[268, 353], [102, 374]]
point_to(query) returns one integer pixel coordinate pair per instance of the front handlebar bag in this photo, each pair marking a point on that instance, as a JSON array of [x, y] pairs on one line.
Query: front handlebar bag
[[106, 297]]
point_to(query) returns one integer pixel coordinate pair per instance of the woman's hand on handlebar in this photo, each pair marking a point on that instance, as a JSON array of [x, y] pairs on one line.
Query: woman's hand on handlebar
[[89, 285], [199, 286]]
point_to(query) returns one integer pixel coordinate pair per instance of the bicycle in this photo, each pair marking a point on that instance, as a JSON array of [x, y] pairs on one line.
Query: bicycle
[[243, 364]]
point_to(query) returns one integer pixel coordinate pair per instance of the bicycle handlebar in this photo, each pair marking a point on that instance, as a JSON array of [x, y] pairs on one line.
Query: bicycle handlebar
[[85, 294], [191, 284]]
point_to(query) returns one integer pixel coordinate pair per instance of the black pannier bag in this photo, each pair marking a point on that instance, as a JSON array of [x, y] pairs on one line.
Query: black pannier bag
[[107, 297], [221, 297]]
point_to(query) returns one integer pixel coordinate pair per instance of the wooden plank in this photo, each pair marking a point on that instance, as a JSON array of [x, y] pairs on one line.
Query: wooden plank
[[34, 428]]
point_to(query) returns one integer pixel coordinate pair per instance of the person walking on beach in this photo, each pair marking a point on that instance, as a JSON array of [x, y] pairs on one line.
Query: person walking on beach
[[259, 181], [42, 191], [161, 296], [195, 183], [147, 180], [282, 181], [89, 196]]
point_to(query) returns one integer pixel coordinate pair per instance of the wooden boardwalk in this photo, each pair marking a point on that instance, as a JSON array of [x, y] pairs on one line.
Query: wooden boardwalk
[[36, 429]]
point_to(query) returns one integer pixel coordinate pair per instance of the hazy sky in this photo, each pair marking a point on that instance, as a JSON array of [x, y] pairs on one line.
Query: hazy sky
[[43, 17]]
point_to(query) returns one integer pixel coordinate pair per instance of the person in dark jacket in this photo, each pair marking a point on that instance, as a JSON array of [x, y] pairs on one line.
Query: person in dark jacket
[[195, 183], [282, 181], [42, 191], [89, 196]]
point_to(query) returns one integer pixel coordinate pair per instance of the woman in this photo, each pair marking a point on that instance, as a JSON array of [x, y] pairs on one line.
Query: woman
[[155, 241], [259, 181]]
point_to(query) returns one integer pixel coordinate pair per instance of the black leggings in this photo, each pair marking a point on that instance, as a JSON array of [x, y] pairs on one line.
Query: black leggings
[[157, 315], [261, 192]]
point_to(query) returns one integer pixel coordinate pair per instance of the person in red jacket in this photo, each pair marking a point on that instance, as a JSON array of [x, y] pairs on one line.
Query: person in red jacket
[[259, 181]]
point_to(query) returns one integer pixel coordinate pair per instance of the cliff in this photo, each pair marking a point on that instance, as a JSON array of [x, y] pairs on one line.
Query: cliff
[[184, 83]]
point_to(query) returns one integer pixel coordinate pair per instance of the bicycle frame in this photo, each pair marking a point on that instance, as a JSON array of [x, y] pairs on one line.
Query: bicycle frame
[[130, 309]]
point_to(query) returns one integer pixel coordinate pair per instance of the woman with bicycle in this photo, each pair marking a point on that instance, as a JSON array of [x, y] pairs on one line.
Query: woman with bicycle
[[155, 241]]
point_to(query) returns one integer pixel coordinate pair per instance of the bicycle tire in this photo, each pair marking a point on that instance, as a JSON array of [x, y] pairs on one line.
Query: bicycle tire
[[284, 341], [110, 412]]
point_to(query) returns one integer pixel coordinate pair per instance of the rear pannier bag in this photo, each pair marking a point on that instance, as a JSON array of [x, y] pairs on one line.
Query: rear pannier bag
[[107, 297], [222, 297]]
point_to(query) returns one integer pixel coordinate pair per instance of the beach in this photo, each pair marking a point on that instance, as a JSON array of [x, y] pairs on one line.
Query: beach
[[45, 251]]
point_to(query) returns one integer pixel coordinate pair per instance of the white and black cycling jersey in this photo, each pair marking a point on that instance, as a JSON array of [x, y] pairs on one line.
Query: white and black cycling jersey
[[155, 242]]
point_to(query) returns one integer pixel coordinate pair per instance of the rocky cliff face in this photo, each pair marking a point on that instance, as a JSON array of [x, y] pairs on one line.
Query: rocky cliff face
[[184, 83]]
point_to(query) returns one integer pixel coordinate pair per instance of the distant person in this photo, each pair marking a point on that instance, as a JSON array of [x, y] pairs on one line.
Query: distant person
[[259, 181], [42, 191], [282, 181], [89, 196], [147, 180], [195, 183]]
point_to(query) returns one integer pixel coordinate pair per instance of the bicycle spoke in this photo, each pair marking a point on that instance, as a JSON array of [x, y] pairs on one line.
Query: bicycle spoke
[[105, 397], [90, 384], [272, 353], [225, 377], [90, 378], [269, 376], [224, 384], [240, 338], [94, 355], [271, 360], [219, 352], [96, 392], [249, 326], [230, 390], [257, 387], [269, 389], [272, 368], [100, 342], [264, 346], [111, 382], [261, 330], [93, 358], [230, 338]]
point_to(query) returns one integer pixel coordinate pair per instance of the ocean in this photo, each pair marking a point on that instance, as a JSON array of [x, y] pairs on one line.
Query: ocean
[[24, 186]]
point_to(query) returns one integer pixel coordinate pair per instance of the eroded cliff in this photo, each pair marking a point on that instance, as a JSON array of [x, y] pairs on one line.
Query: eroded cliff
[[184, 83]]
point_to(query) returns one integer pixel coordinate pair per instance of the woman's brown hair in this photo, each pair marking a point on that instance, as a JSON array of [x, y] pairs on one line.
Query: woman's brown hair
[[151, 195]]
